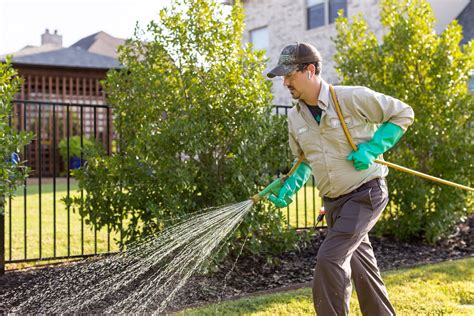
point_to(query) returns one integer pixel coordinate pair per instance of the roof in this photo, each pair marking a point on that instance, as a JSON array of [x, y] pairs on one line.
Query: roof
[[73, 57], [100, 43], [466, 20], [29, 50], [97, 51]]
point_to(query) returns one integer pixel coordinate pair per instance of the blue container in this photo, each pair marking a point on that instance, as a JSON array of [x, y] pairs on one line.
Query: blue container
[[75, 163], [15, 158]]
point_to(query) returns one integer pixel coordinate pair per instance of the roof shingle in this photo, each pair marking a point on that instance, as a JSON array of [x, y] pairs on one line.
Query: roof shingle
[[74, 57]]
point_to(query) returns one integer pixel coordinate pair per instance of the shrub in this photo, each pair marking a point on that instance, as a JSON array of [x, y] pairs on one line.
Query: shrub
[[430, 73], [193, 114]]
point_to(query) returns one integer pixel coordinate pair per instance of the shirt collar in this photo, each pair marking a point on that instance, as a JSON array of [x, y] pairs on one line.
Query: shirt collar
[[323, 99]]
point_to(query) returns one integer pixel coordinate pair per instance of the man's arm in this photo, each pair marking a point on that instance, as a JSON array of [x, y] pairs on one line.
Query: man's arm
[[379, 108], [396, 117]]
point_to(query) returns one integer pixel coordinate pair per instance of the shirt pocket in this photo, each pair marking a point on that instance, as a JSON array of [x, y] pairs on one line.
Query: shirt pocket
[[362, 133], [357, 130], [336, 140], [308, 141]]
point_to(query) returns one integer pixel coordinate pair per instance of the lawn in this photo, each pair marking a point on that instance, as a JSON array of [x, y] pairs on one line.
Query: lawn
[[437, 289], [47, 225]]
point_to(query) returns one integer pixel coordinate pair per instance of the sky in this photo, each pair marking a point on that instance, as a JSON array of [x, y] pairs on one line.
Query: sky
[[23, 21]]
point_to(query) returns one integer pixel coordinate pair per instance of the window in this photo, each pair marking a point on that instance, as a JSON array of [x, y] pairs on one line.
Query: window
[[316, 13], [259, 38], [334, 7], [322, 12]]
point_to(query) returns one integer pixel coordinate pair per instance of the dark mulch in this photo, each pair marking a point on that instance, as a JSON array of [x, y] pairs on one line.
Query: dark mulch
[[255, 274]]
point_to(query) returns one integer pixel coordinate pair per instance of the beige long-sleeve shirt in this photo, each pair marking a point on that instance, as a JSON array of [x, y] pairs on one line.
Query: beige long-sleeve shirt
[[326, 147]]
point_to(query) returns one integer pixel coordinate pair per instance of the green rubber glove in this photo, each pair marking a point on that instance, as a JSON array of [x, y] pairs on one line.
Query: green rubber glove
[[291, 186], [386, 136]]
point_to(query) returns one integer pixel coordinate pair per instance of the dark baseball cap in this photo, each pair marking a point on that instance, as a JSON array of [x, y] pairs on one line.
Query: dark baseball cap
[[293, 55]]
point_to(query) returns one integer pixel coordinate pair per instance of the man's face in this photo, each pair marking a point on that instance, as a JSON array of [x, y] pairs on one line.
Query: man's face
[[295, 82]]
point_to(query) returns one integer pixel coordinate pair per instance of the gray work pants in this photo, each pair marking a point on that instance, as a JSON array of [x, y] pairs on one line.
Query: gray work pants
[[347, 253]]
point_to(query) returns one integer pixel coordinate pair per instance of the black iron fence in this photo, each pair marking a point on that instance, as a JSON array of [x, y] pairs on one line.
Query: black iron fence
[[37, 225]]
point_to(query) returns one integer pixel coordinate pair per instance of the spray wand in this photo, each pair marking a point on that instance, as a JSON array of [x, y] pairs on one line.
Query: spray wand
[[275, 186]]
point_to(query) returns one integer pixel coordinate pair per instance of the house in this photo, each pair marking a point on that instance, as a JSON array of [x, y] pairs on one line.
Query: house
[[52, 72], [271, 24], [56, 74]]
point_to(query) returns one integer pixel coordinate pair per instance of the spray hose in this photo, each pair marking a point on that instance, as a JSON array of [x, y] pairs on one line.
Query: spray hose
[[389, 164], [278, 182]]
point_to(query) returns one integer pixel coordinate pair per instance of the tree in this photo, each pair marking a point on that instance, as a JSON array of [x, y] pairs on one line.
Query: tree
[[430, 73], [193, 113]]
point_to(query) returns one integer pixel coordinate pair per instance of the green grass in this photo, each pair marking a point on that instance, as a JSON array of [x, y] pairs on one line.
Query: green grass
[[47, 225], [438, 289]]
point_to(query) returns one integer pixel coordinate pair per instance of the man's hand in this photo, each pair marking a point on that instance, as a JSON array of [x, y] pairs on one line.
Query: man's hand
[[386, 136], [284, 196], [363, 158], [294, 182]]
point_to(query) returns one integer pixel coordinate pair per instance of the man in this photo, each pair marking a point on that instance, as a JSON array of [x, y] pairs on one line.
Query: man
[[352, 186]]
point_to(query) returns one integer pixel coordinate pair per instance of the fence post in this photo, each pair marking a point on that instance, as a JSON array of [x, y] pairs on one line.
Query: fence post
[[2, 235]]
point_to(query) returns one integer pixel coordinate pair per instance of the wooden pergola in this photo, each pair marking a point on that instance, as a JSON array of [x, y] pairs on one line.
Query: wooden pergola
[[75, 95]]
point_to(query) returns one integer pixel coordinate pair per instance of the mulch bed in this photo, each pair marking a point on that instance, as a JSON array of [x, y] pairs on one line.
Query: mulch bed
[[255, 274]]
